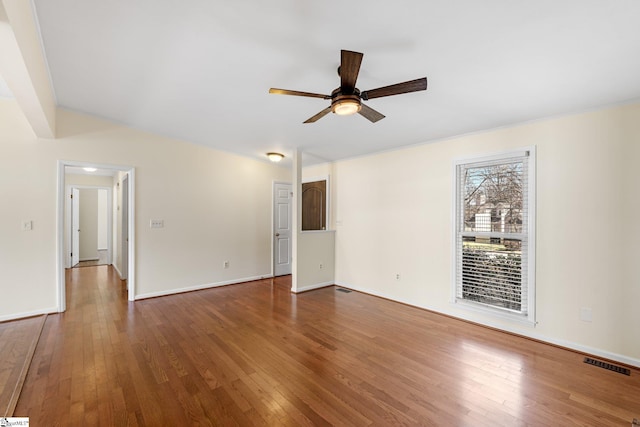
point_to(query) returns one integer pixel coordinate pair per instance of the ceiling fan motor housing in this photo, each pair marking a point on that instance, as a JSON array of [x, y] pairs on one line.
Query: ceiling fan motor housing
[[345, 104]]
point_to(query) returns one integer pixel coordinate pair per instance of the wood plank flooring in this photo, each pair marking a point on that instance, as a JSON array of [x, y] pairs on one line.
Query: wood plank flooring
[[255, 354], [18, 340], [102, 260]]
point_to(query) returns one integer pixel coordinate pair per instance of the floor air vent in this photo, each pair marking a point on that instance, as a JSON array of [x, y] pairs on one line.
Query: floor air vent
[[346, 291], [605, 365]]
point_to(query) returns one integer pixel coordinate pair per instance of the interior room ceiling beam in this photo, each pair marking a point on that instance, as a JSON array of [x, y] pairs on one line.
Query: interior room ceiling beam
[[23, 66]]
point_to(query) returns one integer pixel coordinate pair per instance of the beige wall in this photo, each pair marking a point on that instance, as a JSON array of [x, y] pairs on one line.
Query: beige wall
[[27, 258], [316, 249], [117, 222], [103, 219], [394, 216], [216, 206], [316, 259], [392, 213], [88, 180]]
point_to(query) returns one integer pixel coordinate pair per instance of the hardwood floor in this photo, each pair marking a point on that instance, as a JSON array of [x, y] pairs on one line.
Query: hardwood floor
[[102, 260], [255, 354], [18, 341]]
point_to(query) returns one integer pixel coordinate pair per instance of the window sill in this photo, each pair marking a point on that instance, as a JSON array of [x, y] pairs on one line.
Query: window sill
[[496, 313]]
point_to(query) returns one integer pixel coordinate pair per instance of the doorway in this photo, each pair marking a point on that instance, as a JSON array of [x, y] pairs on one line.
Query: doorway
[[119, 174], [89, 214], [282, 242]]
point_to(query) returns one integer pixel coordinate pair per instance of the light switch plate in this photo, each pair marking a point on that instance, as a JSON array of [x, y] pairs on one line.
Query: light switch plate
[[156, 223]]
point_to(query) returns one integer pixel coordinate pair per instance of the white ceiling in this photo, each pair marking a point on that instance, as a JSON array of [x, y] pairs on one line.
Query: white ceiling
[[78, 170], [200, 70]]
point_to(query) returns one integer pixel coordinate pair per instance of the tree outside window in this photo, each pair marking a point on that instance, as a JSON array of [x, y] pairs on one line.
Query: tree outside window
[[492, 233]]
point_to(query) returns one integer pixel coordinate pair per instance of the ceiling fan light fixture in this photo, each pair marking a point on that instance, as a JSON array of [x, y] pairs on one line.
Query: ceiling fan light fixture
[[275, 157], [347, 98], [346, 107]]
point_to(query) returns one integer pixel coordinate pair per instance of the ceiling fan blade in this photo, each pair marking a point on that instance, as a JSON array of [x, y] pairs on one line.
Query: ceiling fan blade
[[318, 116], [370, 114], [298, 93], [396, 89], [349, 69]]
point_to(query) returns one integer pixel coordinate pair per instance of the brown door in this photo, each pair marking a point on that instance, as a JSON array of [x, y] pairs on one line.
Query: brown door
[[314, 205]]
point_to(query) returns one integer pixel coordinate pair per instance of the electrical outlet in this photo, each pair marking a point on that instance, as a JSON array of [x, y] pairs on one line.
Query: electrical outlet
[[321, 266], [398, 276], [225, 264], [27, 225]]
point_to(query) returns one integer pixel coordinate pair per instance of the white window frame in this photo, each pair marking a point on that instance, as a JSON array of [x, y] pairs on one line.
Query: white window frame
[[529, 317]]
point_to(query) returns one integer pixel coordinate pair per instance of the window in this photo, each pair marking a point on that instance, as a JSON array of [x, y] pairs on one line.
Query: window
[[494, 237]]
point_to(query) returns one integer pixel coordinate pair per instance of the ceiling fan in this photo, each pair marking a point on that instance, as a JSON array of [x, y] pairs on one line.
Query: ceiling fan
[[347, 99]]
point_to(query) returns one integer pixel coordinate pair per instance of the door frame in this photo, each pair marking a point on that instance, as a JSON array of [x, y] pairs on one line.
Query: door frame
[[60, 217], [124, 230], [67, 219], [72, 222], [273, 225]]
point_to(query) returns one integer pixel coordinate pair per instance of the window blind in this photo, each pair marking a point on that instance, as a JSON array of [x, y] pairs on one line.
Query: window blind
[[492, 239]]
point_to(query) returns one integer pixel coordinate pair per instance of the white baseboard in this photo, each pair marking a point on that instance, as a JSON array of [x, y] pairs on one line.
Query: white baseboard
[[311, 287], [588, 350], [23, 315], [115, 267], [631, 361], [88, 259], [200, 287]]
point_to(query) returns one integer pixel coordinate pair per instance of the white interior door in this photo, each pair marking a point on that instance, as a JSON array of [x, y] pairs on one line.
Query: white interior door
[[282, 229], [75, 226]]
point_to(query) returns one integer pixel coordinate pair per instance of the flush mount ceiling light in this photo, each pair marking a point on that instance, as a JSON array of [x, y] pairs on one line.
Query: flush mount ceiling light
[[275, 157], [90, 169]]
